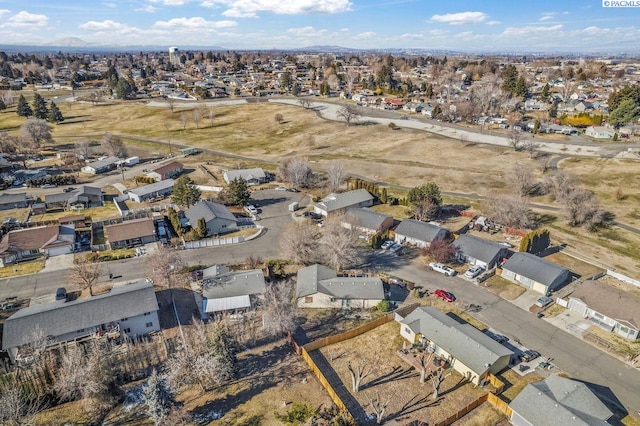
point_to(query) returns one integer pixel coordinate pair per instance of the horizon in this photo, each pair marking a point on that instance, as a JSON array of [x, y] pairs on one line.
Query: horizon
[[463, 26]]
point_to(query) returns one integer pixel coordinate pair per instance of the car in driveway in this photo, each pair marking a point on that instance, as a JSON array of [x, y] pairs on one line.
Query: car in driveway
[[443, 269], [396, 248], [529, 355], [444, 295], [474, 271], [251, 209], [387, 245], [543, 301], [280, 188]]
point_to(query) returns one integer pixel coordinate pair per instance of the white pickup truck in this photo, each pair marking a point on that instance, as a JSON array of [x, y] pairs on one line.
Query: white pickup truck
[[443, 269]]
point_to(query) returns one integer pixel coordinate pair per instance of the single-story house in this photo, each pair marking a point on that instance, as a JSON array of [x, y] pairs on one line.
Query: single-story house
[[28, 244], [338, 202], [14, 201], [535, 273], [167, 171], [320, 287], [419, 234], [251, 176], [229, 292], [469, 351], [367, 220], [128, 310], [218, 218], [599, 132], [101, 166], [558, 401], [131, 233], [609, 307], [478, 251], [84, 196], [157, 189]]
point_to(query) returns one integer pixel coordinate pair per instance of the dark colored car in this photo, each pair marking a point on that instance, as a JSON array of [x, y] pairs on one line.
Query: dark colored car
[[445, 295], [61, 293], [529, 355]]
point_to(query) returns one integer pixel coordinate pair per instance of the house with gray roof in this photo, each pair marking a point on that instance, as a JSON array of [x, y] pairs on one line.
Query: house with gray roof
[[85, 196], [469, 351], [419, 234], [340, 202], [225, 291], [218, 218], [157, 189], [320, 287], [478, 251], [535, 273], [101, 166], [558, 401], [367, 220], [253, 177], [127, 310], [14, 201]]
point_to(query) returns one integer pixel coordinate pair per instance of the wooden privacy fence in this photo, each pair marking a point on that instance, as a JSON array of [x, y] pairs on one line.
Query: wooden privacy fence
[[499, 404], [462, 412], [325, 383], [496, 383]]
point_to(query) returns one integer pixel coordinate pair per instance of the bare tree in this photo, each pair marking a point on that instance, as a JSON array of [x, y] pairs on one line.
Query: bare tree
[[299, 242], [440, 251], [439, 376], [560, 184], [83, 148], [425, 209], [523, 180], [530, 147], [254, 262], [515, 136], [34, 132], [340, 243], [17, 406], [212, 116], [165, 267], [296, 170], [378, 406], [305, 103], [424, 364], [8, 143], [84, 273], [157, 398], [197, 116], [582, 207], [349, 114], [358, 373], [278, 118], [336, 174], [511, 211], [171, 103], [183, 120], [114, 145], [280, 309]]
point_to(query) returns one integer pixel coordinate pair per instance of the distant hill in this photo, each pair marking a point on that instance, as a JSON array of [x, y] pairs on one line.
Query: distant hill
[[69, 41]]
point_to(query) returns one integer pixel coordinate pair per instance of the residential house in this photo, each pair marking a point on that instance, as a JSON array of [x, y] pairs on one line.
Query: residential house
[[131, 233], [427, 110], [251, 176], [320, 287], [218, 218], [535, 273], [27, 244], [413, 107], [161, 188], [470, 352], [129, 310], [101, 166], [367, 220], [599, 132], [14, 201], [481, 121], [558, 401], [419, 234], [333, 203], [229, 292], [609, 307], [479, 252], [167, 171], [84, 196], [583, 106]]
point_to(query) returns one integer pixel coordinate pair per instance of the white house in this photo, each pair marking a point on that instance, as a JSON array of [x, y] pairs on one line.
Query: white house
[[251, 176], [478, 251], [101, 166], [599, 132], [419, 234], [339, 202], [535, 273], [224, 291]]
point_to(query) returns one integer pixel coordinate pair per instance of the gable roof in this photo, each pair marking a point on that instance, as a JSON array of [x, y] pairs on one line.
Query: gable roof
[[610, 301], [169, 167], [36, 238], [246, 174], [320, 279], [423, 231], [209, 211], [80, 194], [346, 199], [153, 187], [130, 229], [20, 197], [561, 401], [59, 317], [103, 163], [534, 268], [232, 284], [464, 342], [367, 218], [478, 248]]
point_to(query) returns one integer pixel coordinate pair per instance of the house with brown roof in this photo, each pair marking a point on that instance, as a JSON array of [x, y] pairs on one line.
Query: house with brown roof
[[167, 171], [28, 244], [131, 233], [608, 307]]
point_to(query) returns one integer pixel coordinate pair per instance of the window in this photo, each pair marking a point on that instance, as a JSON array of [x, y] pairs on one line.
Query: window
[[80, 331], [407, 330], [333, 299], [149, 324], [308, 299], [127, 330], [124, 319], [624, 329], [147, 313]]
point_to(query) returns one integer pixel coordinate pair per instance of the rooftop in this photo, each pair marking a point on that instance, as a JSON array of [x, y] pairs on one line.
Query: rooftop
[[130, 229], [534, 267], [613, 302]]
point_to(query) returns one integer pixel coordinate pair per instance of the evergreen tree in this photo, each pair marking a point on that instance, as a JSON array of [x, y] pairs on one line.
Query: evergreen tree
[[185, 192], [435, 113], [55, 115], [545, 92], [3, 106], [124, 89], [428, 191], [536, 126], [520, 88], [429, 92], [24, 110], [201, 230], [509, 79], [553, 111], [238, 194], [39, 107]]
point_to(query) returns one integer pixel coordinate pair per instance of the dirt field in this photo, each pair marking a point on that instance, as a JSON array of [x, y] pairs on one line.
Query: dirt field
[[390, 377]]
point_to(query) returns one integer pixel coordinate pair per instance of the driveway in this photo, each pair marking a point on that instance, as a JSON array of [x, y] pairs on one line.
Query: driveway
[[58, 263]]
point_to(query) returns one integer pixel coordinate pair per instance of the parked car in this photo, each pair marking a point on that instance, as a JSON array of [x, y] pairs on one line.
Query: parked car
[[251, 209], [544, 301], [61, 293], [396, 248], [474, 271], [443, 269], [529, 355], [444, 295], [280, 188], [294, 190], [69, 189], [387, 245], [506, 244]]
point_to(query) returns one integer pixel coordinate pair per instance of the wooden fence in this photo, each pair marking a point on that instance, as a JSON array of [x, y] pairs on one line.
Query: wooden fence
[[325, 383], [463, 411], [496, 383], [499, 404]]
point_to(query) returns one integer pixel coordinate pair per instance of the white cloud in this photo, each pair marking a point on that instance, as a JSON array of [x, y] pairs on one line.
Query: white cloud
[[436, 33], [306, 32], [194, 23], [4, 12], [461, 18], [109, 5], [365, 36], [107, 25], [251, 8], [172, 2], [494, 22], [530, 31], [148, 8], [469, 36], [26, 19]]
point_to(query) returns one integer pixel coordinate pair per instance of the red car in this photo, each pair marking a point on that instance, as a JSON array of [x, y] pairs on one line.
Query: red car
[[445, 295]]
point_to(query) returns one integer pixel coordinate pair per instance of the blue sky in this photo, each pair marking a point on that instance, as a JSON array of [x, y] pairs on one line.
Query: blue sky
[[540, 25]]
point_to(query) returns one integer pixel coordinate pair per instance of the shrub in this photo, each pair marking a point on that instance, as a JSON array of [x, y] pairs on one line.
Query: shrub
[[298, 413], [383, 306]]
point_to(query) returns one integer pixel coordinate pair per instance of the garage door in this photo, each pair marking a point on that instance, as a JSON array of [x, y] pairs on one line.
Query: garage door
[[540, 288], [56, 251]]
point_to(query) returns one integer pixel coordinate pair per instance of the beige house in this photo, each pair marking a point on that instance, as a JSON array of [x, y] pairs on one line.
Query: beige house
[[470, 352]]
